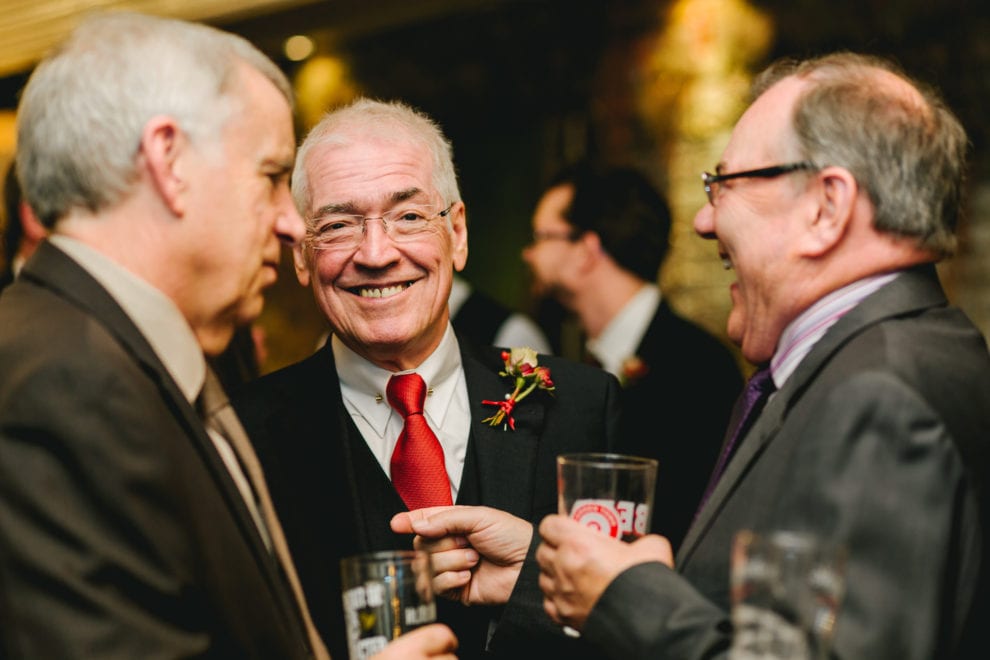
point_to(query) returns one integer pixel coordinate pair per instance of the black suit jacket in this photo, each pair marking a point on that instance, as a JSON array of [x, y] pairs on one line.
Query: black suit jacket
[[335, 500], [677, 412], [880, 441], [121, 532]]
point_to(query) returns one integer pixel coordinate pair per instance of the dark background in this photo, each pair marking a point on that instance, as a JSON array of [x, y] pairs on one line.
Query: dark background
[[520, 85]]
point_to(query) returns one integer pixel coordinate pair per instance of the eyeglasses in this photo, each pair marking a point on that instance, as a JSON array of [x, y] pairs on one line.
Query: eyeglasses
[[341, 231], [712, 181], [547, 235]]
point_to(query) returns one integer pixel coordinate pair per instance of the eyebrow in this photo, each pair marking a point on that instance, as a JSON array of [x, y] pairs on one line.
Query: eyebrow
[[351, 208]]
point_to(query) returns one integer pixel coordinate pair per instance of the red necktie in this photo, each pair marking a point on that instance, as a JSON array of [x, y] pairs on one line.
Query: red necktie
[[418, 471]]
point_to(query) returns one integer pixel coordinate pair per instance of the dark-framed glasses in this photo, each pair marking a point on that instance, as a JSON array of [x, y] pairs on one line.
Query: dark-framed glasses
[[559, 235], [713, 182], [342, 231]]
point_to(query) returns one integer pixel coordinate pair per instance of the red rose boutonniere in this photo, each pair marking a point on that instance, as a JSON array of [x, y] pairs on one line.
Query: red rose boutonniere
[[520, 365], [633, 368]]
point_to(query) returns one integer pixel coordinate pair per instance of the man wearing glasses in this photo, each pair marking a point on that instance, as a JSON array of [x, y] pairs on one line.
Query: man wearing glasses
[[838, 191], [133, 520], [395, 412], [876, 432], [600, 235]]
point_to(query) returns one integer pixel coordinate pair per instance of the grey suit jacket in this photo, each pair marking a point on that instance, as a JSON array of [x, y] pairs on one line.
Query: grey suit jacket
[[121, 532], [334, 499], [879, 441]]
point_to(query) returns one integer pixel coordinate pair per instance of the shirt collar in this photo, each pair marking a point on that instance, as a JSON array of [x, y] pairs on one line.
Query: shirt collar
[[801, 334], [362, 383], [623, 334], [154, 314]]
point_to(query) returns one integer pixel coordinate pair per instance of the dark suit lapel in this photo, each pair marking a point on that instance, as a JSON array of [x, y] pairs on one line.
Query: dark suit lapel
[[331, 449], [913, 290], [505, 458], [52, 268], [655, 337]]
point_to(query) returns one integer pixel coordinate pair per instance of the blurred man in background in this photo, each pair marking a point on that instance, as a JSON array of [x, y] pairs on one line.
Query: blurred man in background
[[600, 235]]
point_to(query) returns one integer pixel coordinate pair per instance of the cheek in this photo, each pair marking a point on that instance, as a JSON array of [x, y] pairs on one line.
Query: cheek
[[325, 270]]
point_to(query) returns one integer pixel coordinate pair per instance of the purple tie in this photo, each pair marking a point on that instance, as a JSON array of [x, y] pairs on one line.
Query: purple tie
[[747, 409]]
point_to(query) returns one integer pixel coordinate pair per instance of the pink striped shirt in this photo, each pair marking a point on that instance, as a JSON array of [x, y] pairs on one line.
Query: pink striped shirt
[[803, 332]]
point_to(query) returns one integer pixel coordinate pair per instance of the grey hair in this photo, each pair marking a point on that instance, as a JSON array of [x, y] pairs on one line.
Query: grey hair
[[908, 153], [82, 113], [392, 121]]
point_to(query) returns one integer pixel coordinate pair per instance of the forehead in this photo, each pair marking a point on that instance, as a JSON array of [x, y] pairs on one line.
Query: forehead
[[264, 115], [367, 170], [763, 133], [550, 209]]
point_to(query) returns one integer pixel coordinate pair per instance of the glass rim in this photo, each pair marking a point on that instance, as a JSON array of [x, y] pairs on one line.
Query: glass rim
[[380, 555], [607, 459], [790, 540]]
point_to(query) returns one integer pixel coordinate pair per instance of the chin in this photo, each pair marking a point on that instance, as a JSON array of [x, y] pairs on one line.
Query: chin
[[250, 309], [216, 339], [735, 327]]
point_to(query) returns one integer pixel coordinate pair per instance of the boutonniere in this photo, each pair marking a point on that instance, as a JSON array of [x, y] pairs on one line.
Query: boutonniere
[[632, 369], [520, 365]]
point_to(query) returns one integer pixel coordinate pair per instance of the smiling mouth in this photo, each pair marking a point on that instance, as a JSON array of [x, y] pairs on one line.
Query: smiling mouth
[[726, 260], [381, 292]]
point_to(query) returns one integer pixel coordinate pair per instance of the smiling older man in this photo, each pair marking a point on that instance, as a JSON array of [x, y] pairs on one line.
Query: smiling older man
[[393, 413]]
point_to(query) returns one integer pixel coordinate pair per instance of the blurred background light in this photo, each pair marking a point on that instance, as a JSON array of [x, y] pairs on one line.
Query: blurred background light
[[298, 47]]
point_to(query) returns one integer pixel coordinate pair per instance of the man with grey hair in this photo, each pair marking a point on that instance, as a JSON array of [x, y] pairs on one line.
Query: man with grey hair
[[134, 521], [396, 412], [838, 191], [870, 428]]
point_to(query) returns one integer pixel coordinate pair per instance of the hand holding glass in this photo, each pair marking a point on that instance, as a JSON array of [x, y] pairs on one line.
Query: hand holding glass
[[385, 595], [611, 493]]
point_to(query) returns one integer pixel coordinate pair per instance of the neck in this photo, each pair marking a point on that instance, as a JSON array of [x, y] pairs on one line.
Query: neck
[[603, 295]]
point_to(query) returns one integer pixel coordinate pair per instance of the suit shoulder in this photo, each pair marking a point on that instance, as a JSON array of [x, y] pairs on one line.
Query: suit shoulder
[[292, 382], [569, 373]]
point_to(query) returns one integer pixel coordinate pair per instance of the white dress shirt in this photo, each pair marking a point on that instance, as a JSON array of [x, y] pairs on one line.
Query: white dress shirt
[[518, 330], [621, 337], [447, 408]]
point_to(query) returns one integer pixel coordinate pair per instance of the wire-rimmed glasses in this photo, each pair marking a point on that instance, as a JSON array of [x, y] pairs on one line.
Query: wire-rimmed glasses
[[713, 182], [342, 231]]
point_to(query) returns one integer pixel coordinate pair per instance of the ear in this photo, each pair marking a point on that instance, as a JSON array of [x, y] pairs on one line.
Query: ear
[[34, 231], [162, 146], [459, 235], [300, 260], [833, 211], [592, 251]]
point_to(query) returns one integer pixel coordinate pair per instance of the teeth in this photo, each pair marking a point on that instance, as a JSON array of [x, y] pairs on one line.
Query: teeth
[[385, 292], [726, 263]]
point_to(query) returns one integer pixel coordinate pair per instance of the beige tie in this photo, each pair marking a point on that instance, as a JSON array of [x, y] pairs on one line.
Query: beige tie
[[221, 418]]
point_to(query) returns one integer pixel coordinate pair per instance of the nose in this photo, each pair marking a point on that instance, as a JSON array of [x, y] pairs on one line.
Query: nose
[[704, 222], [376, 246], [289, 226]]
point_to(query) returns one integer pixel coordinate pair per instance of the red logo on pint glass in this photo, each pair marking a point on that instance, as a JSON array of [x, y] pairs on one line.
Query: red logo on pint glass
[[597, 517]]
